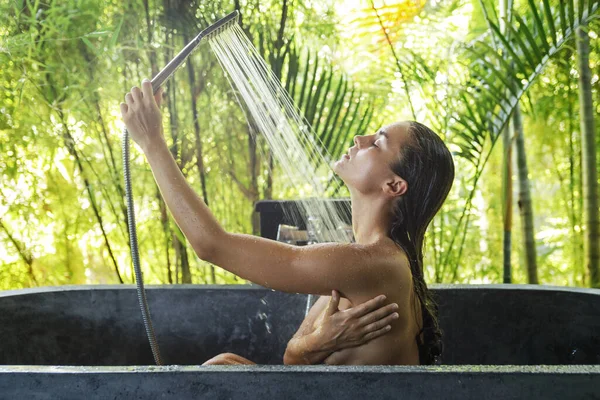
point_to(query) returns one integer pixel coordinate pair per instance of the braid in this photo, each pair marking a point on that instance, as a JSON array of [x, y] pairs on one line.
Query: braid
[[431, 347]]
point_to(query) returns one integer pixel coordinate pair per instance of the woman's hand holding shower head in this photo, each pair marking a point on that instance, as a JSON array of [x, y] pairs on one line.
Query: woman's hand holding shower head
[[141, 114]]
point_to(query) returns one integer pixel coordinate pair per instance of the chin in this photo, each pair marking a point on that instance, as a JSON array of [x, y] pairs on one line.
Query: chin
[[335, 167], [342, 178]]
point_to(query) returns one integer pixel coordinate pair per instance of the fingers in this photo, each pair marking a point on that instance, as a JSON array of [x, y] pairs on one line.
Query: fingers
[[158, 96], [334, 302], [137, 94], [381, 323], [378, 314], [147, 89], [367, 307], [129, 99], [377, 333], [124, 109], [148, 92]]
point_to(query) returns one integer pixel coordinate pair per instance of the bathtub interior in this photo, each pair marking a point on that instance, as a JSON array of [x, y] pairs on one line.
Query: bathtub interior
[[102, 326]]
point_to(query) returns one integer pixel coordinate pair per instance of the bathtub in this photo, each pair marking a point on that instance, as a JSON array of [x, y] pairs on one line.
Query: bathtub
[[501, 341]]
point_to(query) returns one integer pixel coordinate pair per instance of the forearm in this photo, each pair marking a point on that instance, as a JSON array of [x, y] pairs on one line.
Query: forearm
[[305, 350], [191, 214]]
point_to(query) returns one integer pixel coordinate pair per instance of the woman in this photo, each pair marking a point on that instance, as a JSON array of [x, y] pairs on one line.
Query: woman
[[398, 179]]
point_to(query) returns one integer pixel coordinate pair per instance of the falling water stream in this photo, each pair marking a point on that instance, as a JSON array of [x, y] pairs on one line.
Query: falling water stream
[[294, 146]]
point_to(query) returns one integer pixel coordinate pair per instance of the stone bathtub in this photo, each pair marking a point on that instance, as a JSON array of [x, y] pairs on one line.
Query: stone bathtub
[[501, 341]]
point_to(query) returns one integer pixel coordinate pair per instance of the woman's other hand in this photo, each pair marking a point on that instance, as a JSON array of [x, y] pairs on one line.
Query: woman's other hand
[[142, 116], [355, 326], [322, 333]]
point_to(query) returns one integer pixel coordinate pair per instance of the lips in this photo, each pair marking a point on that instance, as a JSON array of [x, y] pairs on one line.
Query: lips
[[349, 152]]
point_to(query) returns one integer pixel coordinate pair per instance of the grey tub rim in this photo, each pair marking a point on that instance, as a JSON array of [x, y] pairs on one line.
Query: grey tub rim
[[497, 286], [385, 369]]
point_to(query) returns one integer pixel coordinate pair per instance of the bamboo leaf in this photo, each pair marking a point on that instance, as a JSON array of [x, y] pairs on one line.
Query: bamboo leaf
[[312, 84], [523, 28], [338, 104], [507, 46], [115, 35], [321, 112], [498, 93], [563, 20], [476, 121], [97, 34], [366, 118], [550, 20], [293, 72], [337, 142], [353, 119], [90, 45], [539, 25], [304, 80], [290, 56], [524, 49], [498, 73], [316, 99], [476, 133], [571, 13]]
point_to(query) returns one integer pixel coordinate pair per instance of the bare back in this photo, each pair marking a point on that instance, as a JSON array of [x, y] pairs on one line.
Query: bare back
[[394, 280]]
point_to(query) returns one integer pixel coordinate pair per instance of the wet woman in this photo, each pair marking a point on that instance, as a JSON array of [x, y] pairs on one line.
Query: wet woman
[[398, 179]]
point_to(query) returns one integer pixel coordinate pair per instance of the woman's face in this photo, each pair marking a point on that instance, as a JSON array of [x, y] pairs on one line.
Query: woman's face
[[366, 166]]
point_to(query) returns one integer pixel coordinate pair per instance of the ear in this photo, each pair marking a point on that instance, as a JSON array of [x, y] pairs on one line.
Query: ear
[[395, 187]]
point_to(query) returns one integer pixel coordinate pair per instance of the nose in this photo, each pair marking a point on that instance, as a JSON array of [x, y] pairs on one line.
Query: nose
[[358, 140]]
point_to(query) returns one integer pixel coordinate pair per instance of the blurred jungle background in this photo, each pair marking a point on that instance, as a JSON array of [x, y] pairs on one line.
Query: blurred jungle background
[[511, 86]]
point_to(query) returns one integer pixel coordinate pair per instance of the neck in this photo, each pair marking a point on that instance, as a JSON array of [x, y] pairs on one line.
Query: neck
[[371, 218]]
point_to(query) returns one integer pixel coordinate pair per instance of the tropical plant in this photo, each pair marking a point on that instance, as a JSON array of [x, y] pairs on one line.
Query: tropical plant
[[504, 66]]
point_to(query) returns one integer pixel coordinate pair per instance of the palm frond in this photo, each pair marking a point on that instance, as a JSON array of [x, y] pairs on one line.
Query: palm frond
[[328, 100], [500, 75]]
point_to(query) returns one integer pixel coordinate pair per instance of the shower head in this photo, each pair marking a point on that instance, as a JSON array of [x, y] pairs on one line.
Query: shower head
[[221, 24], [178, 60]]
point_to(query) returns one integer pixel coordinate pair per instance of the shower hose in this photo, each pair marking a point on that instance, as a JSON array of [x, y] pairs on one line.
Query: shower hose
[[135, 255]]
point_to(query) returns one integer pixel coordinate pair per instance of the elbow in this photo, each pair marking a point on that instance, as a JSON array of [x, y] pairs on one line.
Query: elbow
[[204, 251], [291, 356], [290, 359], [287, 360], [207, 247]]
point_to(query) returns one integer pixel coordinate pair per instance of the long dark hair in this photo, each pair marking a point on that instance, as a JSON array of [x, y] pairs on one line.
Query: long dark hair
[[426, 164]]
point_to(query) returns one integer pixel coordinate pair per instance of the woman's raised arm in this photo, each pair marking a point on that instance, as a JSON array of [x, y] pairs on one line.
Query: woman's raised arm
[[315, 269]]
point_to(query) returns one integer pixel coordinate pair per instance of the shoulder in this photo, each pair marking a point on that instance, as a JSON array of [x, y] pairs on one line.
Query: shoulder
[[387, 249], [392, 259]]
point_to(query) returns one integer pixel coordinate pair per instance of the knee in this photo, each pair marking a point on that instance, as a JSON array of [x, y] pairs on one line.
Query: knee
[[223, 359]]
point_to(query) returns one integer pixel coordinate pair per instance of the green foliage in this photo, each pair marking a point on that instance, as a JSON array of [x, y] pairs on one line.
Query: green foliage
[[505, 66], [65, 66], [501, 69], [70, 63]]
